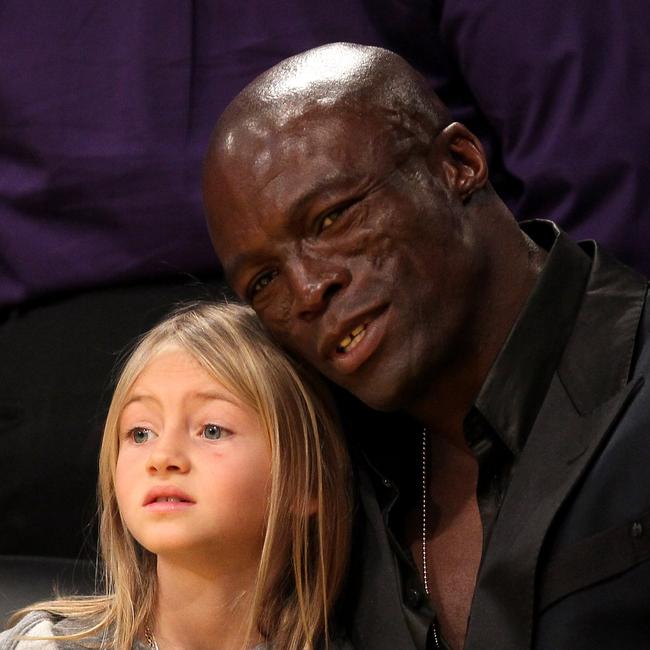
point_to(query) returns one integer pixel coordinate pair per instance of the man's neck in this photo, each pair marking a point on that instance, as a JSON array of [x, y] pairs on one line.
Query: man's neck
[[449, 395]]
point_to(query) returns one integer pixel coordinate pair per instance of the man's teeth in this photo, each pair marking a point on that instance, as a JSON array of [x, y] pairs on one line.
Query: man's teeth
[[352, 339], [170, 499]]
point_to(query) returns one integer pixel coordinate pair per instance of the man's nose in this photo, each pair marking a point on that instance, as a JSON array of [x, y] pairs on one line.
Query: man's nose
[[315, 282], [168, 455]]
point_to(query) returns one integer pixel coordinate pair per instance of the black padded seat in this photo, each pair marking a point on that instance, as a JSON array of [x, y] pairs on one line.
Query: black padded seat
[[26, 579]]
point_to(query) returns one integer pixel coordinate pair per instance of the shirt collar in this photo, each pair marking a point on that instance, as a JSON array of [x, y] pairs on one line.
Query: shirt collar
[[516, 384]]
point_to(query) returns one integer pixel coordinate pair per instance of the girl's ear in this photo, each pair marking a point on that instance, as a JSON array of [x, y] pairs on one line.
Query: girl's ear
[[458, 159]]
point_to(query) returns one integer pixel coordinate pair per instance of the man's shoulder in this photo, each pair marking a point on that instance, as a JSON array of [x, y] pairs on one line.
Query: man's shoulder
[[641, 361], [608, 338], [618, 294]]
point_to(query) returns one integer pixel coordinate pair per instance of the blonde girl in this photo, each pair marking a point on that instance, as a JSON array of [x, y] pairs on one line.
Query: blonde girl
[[225, 508]]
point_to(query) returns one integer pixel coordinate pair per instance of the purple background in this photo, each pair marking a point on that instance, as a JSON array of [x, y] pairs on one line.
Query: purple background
[[106, 109]]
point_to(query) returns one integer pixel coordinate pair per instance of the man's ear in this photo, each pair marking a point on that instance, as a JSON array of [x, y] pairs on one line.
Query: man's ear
[[458, 158]]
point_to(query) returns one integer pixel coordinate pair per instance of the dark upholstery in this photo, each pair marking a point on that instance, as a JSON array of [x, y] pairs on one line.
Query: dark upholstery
[[24, 580]]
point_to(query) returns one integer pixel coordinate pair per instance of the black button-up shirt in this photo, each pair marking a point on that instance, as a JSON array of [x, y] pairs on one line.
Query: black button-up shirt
[[497, 425]]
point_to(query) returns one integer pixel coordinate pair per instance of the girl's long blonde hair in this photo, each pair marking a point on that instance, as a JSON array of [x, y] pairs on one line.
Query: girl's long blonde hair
[[309, 510]]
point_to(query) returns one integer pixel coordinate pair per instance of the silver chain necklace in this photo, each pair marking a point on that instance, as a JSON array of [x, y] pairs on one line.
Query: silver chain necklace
[[425, 569], [425, 575]]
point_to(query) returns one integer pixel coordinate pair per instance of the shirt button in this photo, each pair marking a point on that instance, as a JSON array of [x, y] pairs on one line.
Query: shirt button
[[387, 483], [413, 597], [637, 529]]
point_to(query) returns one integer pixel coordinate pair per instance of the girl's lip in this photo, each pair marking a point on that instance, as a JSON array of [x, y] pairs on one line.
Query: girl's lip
[[166, 492], [168, 506]]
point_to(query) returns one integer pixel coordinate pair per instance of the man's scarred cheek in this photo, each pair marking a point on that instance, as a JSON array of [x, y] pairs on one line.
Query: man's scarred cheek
[[384, 250], [368, 245]]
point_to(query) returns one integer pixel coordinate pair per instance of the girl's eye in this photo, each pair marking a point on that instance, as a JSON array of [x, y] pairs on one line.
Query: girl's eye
[[140, 435], [212, 432]]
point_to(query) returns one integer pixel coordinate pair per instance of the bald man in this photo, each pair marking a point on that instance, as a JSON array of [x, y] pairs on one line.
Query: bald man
[[510, 511]]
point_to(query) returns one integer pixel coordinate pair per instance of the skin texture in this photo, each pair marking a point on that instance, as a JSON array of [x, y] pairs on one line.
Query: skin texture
[[181, 429], [341, 199]]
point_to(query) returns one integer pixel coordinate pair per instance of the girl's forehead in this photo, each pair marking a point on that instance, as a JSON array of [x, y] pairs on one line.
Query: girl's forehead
[[173, 370]]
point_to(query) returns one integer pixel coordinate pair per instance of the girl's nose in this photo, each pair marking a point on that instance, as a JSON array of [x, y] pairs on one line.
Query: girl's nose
[[167, 456]]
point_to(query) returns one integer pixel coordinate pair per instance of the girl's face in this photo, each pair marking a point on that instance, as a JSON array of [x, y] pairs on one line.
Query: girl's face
[[193, 468]]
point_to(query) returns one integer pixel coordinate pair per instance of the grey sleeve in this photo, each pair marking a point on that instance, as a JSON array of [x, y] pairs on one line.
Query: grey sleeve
[[34, 624]]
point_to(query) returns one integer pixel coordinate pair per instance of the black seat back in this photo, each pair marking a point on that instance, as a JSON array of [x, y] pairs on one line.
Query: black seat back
[[25, 580]]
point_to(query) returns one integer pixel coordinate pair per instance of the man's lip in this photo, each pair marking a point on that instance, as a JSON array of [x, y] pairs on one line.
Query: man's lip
[[166, 491], [347, 362]]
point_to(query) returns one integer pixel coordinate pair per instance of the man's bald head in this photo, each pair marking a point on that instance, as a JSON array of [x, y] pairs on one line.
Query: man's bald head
[[339, 78], [359, 223]]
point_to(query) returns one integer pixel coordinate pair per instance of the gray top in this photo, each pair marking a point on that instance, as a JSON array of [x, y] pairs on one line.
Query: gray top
[[42, 623]]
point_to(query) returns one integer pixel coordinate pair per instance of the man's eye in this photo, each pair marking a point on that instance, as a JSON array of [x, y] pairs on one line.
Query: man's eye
[[212, 432], [329, 219], [140, 435], [262, 282]]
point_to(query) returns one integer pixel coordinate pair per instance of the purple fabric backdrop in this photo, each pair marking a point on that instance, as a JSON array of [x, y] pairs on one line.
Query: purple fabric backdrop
[[106, 109]]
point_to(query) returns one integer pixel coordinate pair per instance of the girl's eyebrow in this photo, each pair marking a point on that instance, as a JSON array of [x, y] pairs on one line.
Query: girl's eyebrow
[[141, 397], [212, 396], [203, 396]]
